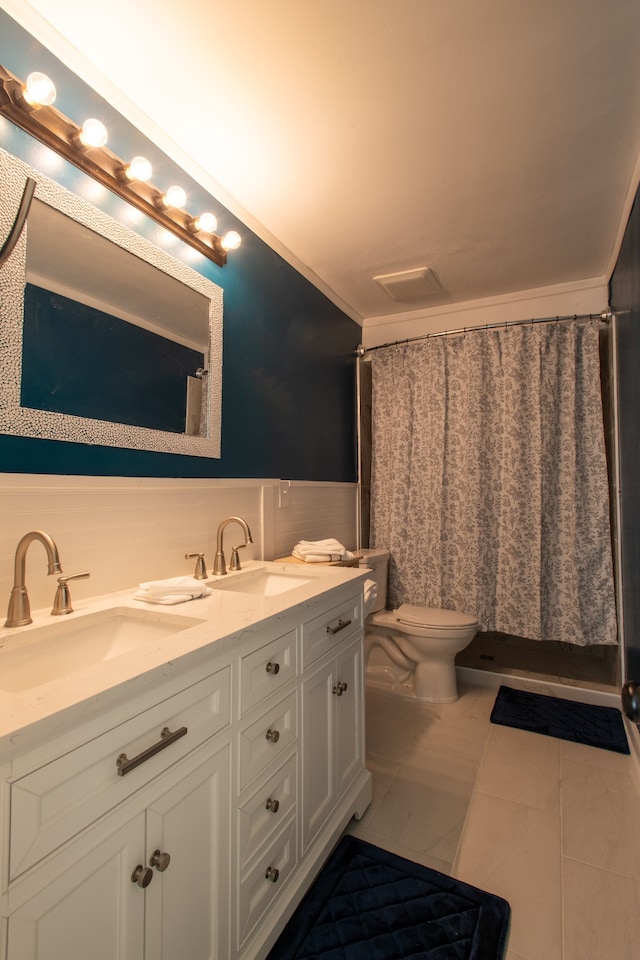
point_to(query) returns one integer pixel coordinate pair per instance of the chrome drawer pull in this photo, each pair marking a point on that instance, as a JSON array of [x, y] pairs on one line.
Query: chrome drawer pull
[[273, 735], [272, 874], [273, 668], [273, 805], [124, 765], [341, 625]]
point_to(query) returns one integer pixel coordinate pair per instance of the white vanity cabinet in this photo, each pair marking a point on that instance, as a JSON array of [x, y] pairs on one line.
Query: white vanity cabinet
[[192, 826], [90, 904], [332, 711], [106, 840]]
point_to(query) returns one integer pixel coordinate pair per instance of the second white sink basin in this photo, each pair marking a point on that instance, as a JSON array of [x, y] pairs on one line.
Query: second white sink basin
[[262, 583], [45, 653]]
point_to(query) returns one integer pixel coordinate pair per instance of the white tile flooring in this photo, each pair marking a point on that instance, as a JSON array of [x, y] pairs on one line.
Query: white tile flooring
[[551, 826]]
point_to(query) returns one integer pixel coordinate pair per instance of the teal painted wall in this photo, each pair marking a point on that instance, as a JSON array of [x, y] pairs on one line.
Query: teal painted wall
[[288, 388]]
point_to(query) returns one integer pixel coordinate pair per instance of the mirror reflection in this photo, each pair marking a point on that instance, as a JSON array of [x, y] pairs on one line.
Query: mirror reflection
[[123, 352], [113, 340]]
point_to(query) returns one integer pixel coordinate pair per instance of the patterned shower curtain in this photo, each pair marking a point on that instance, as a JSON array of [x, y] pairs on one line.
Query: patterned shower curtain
[[489, 479]]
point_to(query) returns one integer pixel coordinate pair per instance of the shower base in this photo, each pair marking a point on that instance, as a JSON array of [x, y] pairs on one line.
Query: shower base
[[596, 667]]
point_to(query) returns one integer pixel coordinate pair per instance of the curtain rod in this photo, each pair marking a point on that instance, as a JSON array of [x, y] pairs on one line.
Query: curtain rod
[[605, 316]]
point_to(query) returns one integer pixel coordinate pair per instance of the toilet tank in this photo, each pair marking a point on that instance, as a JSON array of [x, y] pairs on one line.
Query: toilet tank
[[377, 560]]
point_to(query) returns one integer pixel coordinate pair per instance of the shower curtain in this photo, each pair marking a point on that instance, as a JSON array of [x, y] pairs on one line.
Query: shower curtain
[[489, 479]]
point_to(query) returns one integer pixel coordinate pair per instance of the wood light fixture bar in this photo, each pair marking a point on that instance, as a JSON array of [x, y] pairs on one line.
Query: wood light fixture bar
[[62, 135]]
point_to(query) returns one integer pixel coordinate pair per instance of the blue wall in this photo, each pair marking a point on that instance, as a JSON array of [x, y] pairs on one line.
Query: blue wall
[[625, 303], [288, 391]]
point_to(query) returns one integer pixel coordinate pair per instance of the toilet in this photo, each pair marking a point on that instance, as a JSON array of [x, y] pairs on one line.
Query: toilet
[[410, 652]]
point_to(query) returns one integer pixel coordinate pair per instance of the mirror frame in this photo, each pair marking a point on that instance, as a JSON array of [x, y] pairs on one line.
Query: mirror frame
[[49, 425]]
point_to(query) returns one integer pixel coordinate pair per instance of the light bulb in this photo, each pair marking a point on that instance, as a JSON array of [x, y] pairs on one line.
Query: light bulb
[[39, 90], [206, 222], [231, 240], [138, 169], [174, 197], [93, 133]]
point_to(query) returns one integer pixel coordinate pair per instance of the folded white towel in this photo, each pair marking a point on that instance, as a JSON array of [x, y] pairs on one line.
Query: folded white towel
[[173, 590], [321, 551], [320, 546], [170, 598]]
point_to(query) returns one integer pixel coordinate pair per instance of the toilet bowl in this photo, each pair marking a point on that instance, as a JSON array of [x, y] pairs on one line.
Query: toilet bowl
[[410, 652]]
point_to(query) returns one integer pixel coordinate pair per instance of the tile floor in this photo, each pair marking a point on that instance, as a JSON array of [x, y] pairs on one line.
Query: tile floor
[[553, 827]]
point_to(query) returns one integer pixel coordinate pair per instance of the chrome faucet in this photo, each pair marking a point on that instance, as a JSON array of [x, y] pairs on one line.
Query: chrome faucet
[[219, 565], [19, 613]]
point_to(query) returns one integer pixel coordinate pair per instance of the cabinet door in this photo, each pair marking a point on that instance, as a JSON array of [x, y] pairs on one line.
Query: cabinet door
[[91, 910], [187, 902], [317, 775], [348, 744]]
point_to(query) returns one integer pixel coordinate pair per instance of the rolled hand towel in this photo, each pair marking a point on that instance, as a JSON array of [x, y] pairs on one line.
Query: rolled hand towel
[[187, 588]]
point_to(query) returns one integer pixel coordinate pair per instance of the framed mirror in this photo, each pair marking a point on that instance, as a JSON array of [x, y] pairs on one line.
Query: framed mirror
[[105, 338]]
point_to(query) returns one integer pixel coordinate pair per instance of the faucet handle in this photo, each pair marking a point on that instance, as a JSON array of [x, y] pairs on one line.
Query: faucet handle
[[201, 567], [62, 601], [235, 559]]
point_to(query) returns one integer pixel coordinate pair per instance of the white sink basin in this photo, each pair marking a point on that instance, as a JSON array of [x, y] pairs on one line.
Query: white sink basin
[[45, 653], [262, 583]]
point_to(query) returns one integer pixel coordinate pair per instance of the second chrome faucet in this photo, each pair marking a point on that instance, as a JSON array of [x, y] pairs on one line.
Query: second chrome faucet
[[219, 565]]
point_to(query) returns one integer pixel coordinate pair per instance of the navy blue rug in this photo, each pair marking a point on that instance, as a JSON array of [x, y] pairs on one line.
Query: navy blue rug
[[586, 723], [368, 904]]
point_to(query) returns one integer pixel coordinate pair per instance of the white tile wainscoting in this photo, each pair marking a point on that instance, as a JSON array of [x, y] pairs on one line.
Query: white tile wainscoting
[[128, 530]]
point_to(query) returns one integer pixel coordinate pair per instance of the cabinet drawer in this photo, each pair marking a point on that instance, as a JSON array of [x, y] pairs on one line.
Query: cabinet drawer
[[266, 670], [53, 803], [333, 626], [265, 812], [266, 739], [264, 880]]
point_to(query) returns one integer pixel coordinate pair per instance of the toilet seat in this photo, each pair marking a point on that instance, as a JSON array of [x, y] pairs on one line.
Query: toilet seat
[[415, 616]]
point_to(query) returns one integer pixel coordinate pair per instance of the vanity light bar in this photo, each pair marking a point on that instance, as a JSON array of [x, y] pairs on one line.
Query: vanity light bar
[[49, 126]]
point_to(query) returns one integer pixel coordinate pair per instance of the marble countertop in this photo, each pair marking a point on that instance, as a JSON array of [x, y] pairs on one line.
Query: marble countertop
[[213, 626]]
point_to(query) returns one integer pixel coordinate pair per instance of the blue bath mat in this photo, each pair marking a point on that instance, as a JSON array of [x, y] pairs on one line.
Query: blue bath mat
[[368, 904], [586, 723]]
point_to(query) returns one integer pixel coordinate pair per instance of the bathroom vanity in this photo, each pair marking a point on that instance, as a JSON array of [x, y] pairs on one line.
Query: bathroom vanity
[[176, 798]]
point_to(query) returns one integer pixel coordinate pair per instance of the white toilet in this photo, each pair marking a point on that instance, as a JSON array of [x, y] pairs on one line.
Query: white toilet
[[410, 652]]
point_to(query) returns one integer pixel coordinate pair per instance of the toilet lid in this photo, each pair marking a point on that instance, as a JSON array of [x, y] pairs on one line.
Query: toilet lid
[[415, 616]]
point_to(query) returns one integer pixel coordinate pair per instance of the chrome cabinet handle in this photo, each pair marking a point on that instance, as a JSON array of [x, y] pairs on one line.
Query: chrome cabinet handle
[[273, 668], [631, 700], [160, 860], [273, 735], [272, 874], [124, 765], [273, 805], [340, 688], [142, 876], [340, 626]]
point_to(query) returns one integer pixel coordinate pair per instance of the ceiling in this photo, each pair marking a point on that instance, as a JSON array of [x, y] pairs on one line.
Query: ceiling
[[495, 143]]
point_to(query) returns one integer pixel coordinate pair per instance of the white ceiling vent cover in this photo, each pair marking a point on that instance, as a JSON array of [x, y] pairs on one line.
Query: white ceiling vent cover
[[410, 286]]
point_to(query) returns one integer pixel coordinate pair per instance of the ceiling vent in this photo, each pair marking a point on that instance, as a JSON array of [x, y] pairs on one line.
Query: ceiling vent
[[410, 286]]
